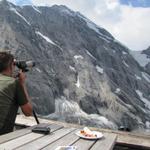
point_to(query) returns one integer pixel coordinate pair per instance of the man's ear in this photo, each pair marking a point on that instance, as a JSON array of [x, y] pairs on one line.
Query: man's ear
[[11, 67]]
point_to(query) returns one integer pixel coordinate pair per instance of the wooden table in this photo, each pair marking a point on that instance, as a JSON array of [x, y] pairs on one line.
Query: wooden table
[[24, 139]]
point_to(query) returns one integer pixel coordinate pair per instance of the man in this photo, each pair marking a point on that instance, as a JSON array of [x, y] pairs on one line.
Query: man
[[13, 94]]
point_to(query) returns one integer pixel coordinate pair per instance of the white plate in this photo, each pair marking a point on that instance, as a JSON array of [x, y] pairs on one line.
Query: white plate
[[66, 148], [98, 134]]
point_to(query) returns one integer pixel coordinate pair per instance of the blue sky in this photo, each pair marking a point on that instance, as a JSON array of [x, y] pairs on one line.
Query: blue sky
[[23, 2], [136, 3], [127, 20]]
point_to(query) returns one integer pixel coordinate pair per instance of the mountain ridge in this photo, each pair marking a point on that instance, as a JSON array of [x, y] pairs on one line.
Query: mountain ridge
[[83, 75]]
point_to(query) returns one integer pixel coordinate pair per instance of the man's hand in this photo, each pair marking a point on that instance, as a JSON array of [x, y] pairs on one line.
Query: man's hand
[[27, 109], [22, 77]]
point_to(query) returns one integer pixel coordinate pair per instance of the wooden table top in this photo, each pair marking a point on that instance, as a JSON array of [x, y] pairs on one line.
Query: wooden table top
[[25, 139]]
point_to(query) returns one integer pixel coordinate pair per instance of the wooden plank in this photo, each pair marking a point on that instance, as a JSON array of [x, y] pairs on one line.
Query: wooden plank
[[67, 140], [134, 141], [106, 143], [44, 141], [84, 144], [20, 141], [18, 133], [14, 143], [15, 134]]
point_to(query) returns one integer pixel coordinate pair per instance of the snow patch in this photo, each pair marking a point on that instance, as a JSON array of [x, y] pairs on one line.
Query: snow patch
[[37, 10], [147, 124], [105, 39], [124, 53], [146, 76], [117, 90], [72, 68], [137, 77], [78, 82], [90, 54], [37, 69], [106, 48], [78, 57], [125, 63], [46, 38], [99, 69], [129, 106], [16, 12], [146, 102]]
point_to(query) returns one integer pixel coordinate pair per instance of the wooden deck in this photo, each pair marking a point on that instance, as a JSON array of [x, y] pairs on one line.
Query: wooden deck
[[25, 139], [64, 134]]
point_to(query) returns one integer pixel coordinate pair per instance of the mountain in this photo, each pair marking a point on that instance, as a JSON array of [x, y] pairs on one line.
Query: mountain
[[83, 74], [147, 52], [143, 58]]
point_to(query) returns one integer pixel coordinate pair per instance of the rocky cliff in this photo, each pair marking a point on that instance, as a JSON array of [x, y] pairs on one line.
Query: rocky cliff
[[82, 74], [143, 58]]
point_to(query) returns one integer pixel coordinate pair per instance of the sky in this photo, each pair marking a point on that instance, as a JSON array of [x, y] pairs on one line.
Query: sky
[[127, 20]]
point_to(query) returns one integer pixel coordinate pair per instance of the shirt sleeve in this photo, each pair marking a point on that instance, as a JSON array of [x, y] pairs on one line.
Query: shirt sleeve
[[20, 95]]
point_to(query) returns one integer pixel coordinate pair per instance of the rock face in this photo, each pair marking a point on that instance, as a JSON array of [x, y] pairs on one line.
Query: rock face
[[147, 53], [143, 58], [83, 75]]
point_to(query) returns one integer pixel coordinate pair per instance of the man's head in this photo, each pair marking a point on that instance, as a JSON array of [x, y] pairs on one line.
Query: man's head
[[6, 62]]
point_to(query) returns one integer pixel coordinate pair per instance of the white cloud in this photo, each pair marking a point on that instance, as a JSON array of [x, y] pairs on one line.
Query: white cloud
[[127, 24], [133, 30]]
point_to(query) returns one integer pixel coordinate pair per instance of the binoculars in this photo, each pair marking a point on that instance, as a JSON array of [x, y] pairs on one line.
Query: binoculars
[[25, 65]]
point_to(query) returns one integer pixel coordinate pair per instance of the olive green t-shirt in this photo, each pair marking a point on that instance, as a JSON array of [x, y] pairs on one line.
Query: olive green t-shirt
[[11, 97]]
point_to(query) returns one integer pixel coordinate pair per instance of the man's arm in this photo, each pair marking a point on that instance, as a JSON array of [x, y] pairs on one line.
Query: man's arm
[[26, 108]]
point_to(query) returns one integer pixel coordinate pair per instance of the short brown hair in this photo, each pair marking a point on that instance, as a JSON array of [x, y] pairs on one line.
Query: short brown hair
[[5, 60]]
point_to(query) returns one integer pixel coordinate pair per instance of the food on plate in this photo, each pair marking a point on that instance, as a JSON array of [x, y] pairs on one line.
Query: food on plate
[[87, 133]]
